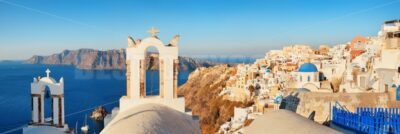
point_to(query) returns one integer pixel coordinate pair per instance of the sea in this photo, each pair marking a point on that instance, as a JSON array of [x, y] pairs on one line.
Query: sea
[[84, 90]]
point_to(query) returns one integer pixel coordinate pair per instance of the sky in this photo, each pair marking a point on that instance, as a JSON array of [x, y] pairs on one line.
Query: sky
[[207, 27]]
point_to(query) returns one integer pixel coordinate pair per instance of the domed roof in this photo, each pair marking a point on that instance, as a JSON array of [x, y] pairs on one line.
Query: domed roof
[[358, 39], [308, 67], [152, 119], [285, 121], [48, 80]]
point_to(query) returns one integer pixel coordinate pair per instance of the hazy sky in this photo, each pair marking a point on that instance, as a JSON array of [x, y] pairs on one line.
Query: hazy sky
[[207, 27]]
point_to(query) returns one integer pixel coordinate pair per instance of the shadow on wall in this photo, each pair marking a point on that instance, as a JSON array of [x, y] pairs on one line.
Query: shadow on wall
[[312, 116], [322, 77], [290, 102]]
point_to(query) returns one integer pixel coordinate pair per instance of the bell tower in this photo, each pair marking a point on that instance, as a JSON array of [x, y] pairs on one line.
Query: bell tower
[[136, 72]]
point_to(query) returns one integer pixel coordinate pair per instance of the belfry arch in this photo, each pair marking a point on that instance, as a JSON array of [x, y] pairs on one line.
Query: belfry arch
[[152, 73], [38, 92], [136, 72], [136, 65]]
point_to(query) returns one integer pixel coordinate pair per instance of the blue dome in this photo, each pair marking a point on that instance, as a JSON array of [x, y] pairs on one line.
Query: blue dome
[[278, 99], [308, 67]]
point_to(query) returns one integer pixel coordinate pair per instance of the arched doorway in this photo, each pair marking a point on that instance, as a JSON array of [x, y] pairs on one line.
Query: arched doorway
[[48, 105], [152, 75]]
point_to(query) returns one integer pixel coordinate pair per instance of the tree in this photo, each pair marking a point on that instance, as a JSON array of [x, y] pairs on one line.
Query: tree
[[251, 89], [336, 81]]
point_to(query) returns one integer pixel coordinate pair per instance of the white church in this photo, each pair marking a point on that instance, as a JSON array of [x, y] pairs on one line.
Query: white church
[[54, 124], [307, 77], [139, 113]]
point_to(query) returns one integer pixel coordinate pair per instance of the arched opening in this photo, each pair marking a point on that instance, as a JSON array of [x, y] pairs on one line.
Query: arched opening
[[152, 75], [48, 104]]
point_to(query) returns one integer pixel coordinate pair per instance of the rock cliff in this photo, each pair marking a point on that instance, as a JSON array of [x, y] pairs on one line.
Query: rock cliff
[[201, 96], [91, 59]]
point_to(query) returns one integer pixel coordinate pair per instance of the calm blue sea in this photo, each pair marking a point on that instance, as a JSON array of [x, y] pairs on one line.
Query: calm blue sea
[[84, 90]]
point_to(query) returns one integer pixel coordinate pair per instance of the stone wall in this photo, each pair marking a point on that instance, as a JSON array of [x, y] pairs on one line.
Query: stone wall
[[319, 104]]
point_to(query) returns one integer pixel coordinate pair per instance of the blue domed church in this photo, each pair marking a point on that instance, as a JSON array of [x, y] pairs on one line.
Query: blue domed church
[[307, 77]]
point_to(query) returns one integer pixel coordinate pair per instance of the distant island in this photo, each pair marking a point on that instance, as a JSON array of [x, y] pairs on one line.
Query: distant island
[[11, 61], [91, 59]]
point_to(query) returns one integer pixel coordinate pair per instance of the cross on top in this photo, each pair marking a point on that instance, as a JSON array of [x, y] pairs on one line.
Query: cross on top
[[153, 31], [48, 72]]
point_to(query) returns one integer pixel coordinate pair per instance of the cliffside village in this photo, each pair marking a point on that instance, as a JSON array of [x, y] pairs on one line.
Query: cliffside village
[[362, 72]]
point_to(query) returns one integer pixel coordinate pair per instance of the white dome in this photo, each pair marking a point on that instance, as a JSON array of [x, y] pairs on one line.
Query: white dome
[[152, 119], [48, 80]]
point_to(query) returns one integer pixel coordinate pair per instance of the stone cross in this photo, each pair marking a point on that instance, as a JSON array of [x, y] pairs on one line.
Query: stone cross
[[153, 31], [48, 72]]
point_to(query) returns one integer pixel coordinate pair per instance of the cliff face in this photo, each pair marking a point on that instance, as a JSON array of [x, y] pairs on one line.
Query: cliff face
[[102, 60], [201, 95], [84, 59]]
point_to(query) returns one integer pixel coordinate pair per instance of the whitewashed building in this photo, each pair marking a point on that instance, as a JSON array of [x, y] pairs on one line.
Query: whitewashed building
[[40, 124], [307, 77]]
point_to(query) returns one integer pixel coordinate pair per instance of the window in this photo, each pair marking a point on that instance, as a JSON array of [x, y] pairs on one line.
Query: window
[[308, 78], [390, 35], [397, 35], [301, 79]]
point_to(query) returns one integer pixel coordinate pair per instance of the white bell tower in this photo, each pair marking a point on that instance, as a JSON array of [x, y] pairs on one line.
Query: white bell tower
[[56, 122], [57, 95], [136, 73]]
